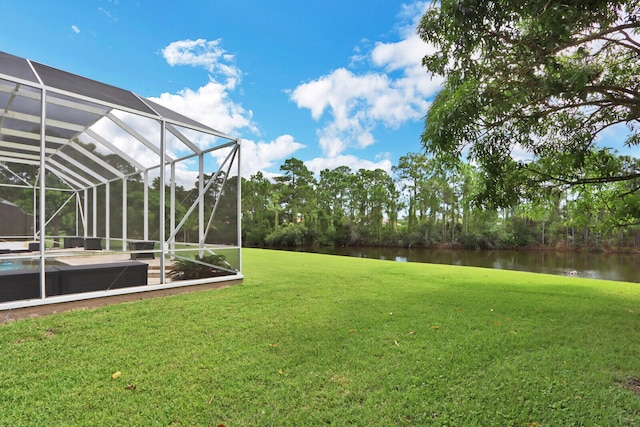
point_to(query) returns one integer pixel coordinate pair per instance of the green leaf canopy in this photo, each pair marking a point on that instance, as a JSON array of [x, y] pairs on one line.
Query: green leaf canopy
[[532, 79]]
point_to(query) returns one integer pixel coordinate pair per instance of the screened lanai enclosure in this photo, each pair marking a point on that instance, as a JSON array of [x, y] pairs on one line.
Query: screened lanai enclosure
[[104, 192]]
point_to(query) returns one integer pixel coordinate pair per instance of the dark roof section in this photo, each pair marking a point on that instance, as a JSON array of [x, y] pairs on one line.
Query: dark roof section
[[16, 67], [58, 80]]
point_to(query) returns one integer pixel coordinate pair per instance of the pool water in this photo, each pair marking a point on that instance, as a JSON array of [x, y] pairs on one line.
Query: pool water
[[22, 264]]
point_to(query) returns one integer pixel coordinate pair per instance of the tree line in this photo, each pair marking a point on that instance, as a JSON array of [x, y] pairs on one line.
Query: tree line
[[546, 79], [426, 203], [422, 203]]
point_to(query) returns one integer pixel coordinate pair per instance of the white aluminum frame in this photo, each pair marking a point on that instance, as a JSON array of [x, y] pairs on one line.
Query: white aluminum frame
[[81, 179]]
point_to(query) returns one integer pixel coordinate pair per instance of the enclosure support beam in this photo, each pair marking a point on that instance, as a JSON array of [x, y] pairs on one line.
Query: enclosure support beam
[[239, 210], [172, 220], [35, 209], [107, 209], [124, 213], [77, 212], [85, 217], [161, 237], [201, 204], [43, 186], [95, 212], [145, 207]]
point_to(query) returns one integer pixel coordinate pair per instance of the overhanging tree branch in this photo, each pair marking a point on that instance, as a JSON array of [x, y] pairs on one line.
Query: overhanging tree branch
[[544, 80]]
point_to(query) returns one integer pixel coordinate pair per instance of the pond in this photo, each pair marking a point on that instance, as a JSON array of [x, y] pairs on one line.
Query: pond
[[608, 266]]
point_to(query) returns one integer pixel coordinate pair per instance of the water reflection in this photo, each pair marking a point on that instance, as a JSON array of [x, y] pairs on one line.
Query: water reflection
[[619, 267]]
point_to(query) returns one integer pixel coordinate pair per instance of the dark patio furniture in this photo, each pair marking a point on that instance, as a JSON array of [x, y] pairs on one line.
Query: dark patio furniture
[[93, 243], [25, 284], [73, 242], [99, 277], [142, 246], [69, 279]]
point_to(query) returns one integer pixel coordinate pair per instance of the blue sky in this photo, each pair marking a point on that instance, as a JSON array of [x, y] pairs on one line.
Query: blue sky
[[331, 83]]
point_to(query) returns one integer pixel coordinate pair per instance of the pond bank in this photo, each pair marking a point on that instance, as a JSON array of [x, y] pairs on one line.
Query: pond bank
[[605, 265]]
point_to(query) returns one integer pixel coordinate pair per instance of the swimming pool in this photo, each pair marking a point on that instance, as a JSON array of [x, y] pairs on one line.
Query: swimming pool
[[24, 264]]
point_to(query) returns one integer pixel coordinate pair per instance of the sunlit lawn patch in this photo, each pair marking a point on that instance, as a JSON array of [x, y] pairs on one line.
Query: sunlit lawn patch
[[312, 339]]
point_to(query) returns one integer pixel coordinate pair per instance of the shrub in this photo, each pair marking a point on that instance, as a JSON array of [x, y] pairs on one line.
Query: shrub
[[184, 269]]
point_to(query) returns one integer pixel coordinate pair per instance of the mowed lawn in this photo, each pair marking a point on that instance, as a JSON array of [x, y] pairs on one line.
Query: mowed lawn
[[312, 340]]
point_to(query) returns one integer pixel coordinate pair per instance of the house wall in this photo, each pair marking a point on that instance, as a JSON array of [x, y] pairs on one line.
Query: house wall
[[13, 220]]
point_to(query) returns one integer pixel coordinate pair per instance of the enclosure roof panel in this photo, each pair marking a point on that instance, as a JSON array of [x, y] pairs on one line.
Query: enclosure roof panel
[[79, 113], [57, 79], [16, 68]]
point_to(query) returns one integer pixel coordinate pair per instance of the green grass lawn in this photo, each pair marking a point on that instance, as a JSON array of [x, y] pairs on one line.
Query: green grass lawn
[[313, 340]]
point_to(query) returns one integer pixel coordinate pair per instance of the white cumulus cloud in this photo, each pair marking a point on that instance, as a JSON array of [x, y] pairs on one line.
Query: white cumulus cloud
[[210, 105], [396, 90], [207, 54], [261, 155]]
